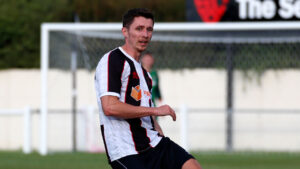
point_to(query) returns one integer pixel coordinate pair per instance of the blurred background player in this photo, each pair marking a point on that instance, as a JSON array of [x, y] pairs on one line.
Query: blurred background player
[[148, 62]]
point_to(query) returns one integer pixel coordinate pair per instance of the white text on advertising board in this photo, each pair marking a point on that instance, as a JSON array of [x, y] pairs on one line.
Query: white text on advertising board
[[267, 9]]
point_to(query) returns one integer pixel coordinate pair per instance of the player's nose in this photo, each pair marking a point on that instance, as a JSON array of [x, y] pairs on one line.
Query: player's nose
[[145, 33]]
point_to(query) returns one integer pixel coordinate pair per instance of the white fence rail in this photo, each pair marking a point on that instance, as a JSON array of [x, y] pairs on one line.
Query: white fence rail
[[195, 129], [26, 113]]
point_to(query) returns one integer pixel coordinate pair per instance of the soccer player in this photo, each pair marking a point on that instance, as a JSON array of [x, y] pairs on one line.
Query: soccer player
[[147, 63], [132, 137]]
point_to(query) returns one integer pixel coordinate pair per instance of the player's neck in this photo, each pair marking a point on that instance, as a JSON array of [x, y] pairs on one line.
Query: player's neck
[[132, 52]]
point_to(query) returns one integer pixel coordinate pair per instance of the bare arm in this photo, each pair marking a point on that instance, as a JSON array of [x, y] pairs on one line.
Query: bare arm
[[112, 106]]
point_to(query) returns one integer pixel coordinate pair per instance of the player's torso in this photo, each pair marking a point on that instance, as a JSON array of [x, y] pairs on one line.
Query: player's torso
[[130, 136], [136, 85]]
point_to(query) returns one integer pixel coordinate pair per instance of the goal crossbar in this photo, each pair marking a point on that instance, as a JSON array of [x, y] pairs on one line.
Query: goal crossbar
[[180, 26]]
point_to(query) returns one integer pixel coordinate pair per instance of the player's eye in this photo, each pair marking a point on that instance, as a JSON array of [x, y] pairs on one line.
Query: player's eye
[[150, 29], [139, 28]]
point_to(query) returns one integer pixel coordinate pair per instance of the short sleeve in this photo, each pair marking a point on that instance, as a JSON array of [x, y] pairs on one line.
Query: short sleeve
[[108, 75]]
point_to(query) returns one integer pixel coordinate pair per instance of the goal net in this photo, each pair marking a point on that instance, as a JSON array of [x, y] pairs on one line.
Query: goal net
[[234, 81]]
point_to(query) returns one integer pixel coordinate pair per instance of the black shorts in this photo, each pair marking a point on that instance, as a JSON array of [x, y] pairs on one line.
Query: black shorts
[[166, 155]]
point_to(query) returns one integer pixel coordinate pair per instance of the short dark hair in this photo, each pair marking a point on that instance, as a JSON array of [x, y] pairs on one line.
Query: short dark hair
[[129, 16]]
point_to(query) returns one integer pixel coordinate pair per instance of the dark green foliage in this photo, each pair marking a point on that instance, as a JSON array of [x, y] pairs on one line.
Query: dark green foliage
[[112, 10], [20, 22]]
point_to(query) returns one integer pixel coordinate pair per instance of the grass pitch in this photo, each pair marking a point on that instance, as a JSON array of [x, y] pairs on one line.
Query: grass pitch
[[208, 160]]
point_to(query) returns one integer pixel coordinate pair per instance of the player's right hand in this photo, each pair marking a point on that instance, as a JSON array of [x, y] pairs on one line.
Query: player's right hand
[[165, 110]]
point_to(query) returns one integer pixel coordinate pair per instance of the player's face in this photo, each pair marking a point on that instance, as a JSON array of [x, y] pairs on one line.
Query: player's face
[[139, 34]]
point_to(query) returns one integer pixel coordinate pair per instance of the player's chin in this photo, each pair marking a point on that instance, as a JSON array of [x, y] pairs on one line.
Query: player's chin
[[142, 48]]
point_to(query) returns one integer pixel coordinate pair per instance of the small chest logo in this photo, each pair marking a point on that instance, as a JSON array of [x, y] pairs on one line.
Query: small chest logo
[[136, 93], [135, 75]]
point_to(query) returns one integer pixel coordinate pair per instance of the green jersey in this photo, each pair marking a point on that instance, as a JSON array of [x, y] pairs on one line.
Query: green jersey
[[155, 87]]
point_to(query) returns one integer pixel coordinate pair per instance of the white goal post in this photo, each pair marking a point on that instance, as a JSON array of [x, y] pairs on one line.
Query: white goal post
[[46, 28]]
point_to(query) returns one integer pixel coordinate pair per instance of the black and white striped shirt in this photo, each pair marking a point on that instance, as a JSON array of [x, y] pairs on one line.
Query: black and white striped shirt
[[118, 74]]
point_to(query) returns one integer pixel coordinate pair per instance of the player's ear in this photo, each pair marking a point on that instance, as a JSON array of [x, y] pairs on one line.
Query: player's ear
[[125, 32]]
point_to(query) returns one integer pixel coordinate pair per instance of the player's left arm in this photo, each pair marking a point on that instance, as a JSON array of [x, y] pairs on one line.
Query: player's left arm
[[157, 127]]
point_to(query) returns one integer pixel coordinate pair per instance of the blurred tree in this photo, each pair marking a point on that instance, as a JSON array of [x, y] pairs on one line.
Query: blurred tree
[[20, 22], [112, 10]]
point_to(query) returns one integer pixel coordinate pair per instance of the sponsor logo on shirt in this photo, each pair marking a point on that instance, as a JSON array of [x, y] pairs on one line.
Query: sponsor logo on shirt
[[147, 93], [136, 93]]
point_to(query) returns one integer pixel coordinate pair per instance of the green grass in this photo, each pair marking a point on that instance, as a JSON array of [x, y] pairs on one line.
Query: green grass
[[208, 160], [249, 160]]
